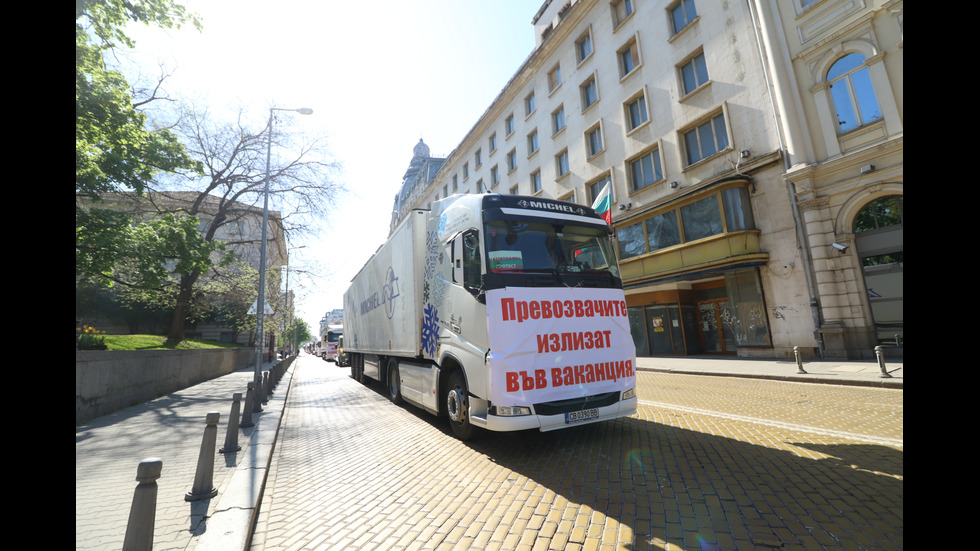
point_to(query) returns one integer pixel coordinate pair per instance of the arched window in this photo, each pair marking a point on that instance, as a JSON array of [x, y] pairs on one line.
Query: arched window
[[854, 96]]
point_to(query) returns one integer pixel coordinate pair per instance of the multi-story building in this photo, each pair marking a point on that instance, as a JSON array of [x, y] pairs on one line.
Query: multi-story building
[[837, 86], [738, 192]]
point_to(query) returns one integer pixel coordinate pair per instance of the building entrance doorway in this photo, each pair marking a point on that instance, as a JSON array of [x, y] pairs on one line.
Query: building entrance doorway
[[715, 326], [664, 329]]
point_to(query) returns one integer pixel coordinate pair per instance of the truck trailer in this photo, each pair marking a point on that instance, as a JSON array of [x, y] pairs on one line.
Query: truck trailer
[[501, 312]]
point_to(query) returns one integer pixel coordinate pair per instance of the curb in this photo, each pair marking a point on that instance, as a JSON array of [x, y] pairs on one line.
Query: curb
[[234, 518], [807, 378]]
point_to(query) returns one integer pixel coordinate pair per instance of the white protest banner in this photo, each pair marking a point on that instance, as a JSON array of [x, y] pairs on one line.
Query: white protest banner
[[550, 344]]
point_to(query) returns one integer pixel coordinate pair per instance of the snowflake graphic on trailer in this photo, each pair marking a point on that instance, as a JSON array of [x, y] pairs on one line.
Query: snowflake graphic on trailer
[[430, 329]]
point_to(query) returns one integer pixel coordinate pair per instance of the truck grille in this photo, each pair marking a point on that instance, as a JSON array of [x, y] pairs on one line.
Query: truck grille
[[576, 404]]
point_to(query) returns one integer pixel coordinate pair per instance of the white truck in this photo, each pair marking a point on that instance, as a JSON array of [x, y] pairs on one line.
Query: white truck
[[502, 312], [329, 342]]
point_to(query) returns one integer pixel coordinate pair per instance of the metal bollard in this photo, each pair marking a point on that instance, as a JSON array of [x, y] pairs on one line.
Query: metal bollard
[[270, 385], [247, 414], [880, 354], [799, 360], [260, 391], [257, 395], [231, 437], [265, 387], [142, 515], [203, 481]]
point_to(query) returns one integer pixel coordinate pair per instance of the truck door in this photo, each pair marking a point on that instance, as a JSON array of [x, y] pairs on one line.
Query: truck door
[[465, 313], [467, 267]]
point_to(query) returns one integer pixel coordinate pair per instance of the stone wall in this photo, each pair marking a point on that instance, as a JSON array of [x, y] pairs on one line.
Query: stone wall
[[106, 381]]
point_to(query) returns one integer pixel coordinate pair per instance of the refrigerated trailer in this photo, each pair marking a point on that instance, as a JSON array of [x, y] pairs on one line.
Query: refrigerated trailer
[[501, 312]]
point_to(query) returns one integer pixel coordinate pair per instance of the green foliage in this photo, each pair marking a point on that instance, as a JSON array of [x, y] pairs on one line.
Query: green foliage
[[113, 148], [110, 250], [157, 342], [300, 329], [87, 336]]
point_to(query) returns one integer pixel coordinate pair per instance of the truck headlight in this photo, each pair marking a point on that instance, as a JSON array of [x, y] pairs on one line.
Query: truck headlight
[[512, 411], [631, 393]]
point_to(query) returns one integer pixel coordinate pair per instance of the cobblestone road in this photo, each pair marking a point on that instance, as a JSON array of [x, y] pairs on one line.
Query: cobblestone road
[[707, 463]]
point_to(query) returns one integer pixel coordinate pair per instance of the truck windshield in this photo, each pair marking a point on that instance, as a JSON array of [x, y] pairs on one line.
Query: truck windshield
[[517, 246]]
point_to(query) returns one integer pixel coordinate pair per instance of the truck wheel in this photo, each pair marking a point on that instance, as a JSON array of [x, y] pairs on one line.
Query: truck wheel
[[458, 406], [394, 383]]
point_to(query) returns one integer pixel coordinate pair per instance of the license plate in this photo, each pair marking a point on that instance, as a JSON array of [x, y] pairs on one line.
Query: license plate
[[584, 415]]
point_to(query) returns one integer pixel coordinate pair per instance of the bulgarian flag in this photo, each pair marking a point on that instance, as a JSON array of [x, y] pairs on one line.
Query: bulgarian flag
[[603, 203]]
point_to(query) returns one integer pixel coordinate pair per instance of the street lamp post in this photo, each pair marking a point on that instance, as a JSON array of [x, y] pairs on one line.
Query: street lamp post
[[290, 311], [260, 303]]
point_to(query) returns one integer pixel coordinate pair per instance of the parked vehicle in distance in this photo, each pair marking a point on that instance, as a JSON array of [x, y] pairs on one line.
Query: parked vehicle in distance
[[329, 340], [342, 360]]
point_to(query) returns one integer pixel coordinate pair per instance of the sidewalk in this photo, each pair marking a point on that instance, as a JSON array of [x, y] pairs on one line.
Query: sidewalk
[[109, 449], [842, 372]]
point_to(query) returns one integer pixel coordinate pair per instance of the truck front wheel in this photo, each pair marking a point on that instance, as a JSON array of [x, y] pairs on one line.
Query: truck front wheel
[[458, 406]]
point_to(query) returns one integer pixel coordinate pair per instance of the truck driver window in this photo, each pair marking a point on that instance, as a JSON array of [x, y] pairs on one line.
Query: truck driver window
[[471, 259]]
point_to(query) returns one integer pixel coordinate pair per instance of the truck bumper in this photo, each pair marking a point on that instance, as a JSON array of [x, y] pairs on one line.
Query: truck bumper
[[622, 408]]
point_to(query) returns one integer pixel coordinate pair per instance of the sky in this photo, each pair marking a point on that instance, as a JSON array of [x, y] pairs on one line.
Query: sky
[[379, 76]]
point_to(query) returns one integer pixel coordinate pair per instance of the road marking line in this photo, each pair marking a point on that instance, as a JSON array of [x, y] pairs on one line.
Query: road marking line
[[769, 422]]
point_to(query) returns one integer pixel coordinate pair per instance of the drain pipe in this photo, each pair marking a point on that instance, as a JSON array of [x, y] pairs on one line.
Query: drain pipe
[[804, 246]]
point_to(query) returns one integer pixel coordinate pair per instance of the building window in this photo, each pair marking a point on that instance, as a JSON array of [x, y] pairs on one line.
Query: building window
[[509, 124], [722, 212], [590, 93], [536, 182], [554, 78], [583, 47], [466, 171], [513, 190], [646, 170], [493, 142], [629, 58], [630, 241], [705, 140], [636, 112], [593, 140], [701, 219], [621, 10], [479, 186], [853, 94], [749, 321], [694, 73], [532, 143], [561, 163], [529, 104], [558, 120], [882, 213], [662, 231], [511, 160], [478, 158], [738, 210], [455, 180], [682, 14], [595, 188], [494, 176]]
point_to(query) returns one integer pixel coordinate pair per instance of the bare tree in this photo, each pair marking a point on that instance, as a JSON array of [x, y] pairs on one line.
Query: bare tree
[[230, 191]]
